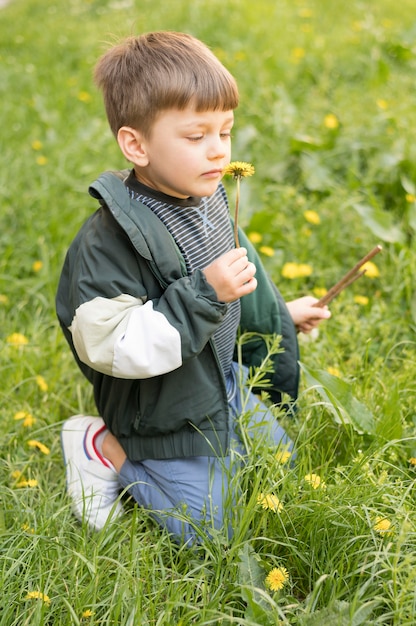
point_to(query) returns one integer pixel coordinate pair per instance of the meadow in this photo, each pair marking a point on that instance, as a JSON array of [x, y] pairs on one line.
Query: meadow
[[327, 118]]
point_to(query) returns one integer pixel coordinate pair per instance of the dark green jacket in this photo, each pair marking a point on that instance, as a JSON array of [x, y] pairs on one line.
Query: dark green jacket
[[140, 329]]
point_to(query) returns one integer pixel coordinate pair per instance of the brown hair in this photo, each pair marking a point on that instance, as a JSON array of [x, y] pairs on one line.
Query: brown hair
[[145, 75]]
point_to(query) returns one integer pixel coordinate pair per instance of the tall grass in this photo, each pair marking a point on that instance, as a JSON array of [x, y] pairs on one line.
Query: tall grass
[[327, 117]]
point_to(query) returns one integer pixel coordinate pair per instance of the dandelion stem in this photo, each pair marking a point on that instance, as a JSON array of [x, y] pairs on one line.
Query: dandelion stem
[[237, 203]]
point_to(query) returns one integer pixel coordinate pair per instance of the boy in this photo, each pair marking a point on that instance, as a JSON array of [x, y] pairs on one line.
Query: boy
[[153, 291]]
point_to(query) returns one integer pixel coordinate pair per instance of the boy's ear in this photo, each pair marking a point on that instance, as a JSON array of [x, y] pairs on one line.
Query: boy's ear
[[132, 145]]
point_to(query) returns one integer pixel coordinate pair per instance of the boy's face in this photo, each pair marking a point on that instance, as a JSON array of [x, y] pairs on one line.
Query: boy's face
[[186, 152]]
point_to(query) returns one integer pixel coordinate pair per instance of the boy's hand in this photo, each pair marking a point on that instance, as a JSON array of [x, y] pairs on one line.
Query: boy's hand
[[232, 275], [305, 316]]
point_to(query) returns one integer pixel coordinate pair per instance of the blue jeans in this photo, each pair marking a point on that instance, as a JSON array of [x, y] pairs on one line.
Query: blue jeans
[[189, 496]]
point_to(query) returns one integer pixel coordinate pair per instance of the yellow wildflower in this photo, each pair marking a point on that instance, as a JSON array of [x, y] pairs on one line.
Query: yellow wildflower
[[33, 443], [32, 482], [239, 169], [283, 456], [84, 96], [334, 371], [17, 339], [296, 270], [371, 269], [320, 291], [26, 528], [383, 526], [361, 300], [27, 418], [312, 217], [270, 501], [267, 251], [410, 197], [4, 299], [37, 266], [37, 145], [41, 160], [382, 104], [297, 54], [87, 613], [331, 121], [315, 481], [38, 595], [255, 237], [41, 383], [412, 460], [277, 578]]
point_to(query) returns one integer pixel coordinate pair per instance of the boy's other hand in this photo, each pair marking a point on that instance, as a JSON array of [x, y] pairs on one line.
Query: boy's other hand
[[231, 275], [305, 316]]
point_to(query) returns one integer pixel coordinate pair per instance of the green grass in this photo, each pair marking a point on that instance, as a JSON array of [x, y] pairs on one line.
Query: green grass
[[296, 63]]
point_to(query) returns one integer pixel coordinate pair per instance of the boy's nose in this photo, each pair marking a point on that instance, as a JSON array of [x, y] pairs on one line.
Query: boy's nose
[[217, 149]]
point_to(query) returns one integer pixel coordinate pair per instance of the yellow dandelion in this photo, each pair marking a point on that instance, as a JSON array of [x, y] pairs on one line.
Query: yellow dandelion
[[296, 270], [315, 481], [84, 96], [312, 217], [320, 291], [27, 529], [37, 145], [17, 339], [32, 482], [382, 104], [255, 237], [412, 460], [270, 501], [283, 456], [41, 383], [297, 54], [38, 595], [331, 121], [16, 474], [41, 160], [410, 197], [267, 251], [277, 578], [4, 299], [27, 418], [87, 613], [33, 443], [334, 371], [371, 269], [37, 266], [383, 526], [238, 170], [363, 300]]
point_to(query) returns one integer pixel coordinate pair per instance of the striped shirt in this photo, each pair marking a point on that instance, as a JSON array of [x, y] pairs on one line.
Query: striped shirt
[[202, 231]]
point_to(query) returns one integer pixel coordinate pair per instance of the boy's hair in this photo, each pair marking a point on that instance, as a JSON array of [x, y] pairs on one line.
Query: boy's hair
[[157, 71]]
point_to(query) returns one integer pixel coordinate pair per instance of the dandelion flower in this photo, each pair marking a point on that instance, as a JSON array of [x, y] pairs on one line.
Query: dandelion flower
[[37, 145], [238, 170], [410, 197], [363, 300], [315, 481], [270, 502], [283, 456], [334, 371], [41, 383], [33, 443], [27, 418], [320, 291], [296, 270], [84, 96], [331, 121], [41, 160], [298, 54], [27, 529], [4, 299], [312, 217], [38, 595], [383, 526], [255, 237], [87, 613], [277, 578], [37, 266], [382, 104], [267, 251], [31, 482], [17, 339], [412, 460], [371, 269]]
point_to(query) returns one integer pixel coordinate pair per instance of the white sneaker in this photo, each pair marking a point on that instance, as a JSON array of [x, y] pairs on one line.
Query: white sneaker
[[91, 484]]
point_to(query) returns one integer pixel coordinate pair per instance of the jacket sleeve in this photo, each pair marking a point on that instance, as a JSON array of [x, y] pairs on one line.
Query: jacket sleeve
[[122, 322]]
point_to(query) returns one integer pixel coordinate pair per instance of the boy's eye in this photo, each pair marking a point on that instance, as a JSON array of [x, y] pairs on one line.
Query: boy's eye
[[226, 134], [195, 137]]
